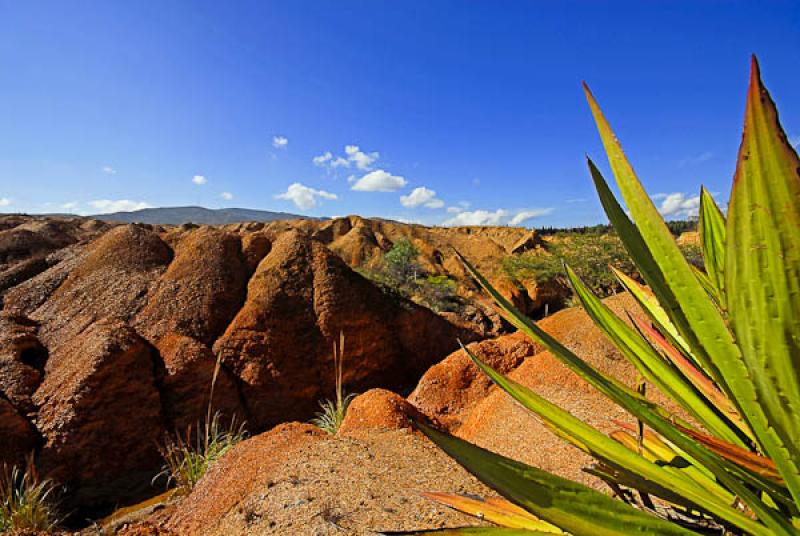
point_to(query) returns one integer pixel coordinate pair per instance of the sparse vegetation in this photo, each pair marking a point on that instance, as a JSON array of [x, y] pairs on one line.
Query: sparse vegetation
[[400, 271], [27, 504], [333, 411], [721, 343], [188, 456]]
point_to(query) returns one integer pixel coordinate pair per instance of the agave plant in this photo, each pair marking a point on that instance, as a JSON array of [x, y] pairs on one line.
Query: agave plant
[[723, 343]]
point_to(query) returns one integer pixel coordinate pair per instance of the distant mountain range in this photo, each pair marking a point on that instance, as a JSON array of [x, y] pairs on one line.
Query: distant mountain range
[[179, 215]]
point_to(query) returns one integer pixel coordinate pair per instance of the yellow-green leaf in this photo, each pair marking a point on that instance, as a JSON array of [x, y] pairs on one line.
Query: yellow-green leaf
[[495, 510], [762, 272]]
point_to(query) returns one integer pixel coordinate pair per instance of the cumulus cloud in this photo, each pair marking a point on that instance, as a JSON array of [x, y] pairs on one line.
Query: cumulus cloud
[[109, 170], [353, 156], [280, 142], [199, 180], [322, 159], [117, 205], [4, 201], [421, 196], [379, 181], [678, 205], [526, 215], [70, 206], [500, 216], [478, 217], [361, 159], [461, 207], [304, 197], [795, 141], [227, 196]]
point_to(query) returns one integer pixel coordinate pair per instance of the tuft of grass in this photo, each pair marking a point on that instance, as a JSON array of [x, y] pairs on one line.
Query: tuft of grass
[[26, 502], [188, 457], [334, 411]]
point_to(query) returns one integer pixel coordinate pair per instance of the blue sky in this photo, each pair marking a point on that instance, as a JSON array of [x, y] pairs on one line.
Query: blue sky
[[434, 111]]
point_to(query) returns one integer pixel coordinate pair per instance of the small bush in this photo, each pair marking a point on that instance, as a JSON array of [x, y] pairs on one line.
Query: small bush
[[188, 457], [400, 263], [26, 503], [334, 411]]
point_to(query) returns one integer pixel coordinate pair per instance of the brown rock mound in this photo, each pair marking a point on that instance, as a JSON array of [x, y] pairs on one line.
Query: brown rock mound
[[185, 389], [18, 438], [449, 389], [379, 409], [296, 480], [110, 280], [200, 292], [299, 299], [100, 415], [22, 360]]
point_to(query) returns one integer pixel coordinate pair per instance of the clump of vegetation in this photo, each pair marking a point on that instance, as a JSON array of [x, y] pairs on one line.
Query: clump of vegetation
[[400, 270], [720, 342], [188, 456], [27, 504], [333, 412], [589, 254]]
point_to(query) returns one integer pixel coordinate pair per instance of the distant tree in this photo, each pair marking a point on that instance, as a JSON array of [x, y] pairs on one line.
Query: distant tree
[[400, 262]]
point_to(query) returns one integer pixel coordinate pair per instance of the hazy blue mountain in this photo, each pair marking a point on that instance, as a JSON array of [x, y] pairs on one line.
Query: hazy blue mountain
[[179, 215]]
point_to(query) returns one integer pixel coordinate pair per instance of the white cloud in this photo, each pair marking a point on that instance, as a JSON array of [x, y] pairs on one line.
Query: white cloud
[[199, 180], [379, 181], [280, 142], [119, 205], [361, 159], [353, 156], [526, 215], [421, 196], [455, 210], [4, 201], [794, 141], [71, 206], [109, 170], [227, 196], [304, 197], [678, 205], [322, 159], [478, 217]]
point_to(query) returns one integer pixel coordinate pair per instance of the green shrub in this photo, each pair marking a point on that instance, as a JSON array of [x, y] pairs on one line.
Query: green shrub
[[400, 263], [26, 503], [721, 343]]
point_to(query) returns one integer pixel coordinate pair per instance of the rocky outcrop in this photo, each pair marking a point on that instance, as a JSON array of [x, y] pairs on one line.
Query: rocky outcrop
[[449, 389], [18, 438], [22, 361], [379, 409], [201, 290], [189, 369], [111, 279], [285, 367], [100, 415]]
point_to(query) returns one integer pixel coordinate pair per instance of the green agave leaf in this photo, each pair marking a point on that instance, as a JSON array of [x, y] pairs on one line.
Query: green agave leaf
[[478, 531], [610, 451], [700, 381], [571, 506], [649, 304], [763, 277], [650, 364], [645, 411], [642, 255], [715, 345], [495, 510], [712, 241]]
